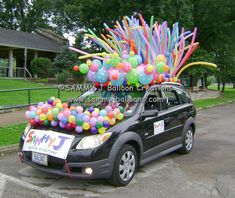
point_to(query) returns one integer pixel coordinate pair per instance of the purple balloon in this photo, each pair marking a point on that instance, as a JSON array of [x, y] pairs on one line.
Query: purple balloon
[[91, 109], [86, 118], [79, 129], [106, 124], [54, 123], [93, 121], [93, 130], [50, 101], [40, 103], [91, 76], [62, 125]]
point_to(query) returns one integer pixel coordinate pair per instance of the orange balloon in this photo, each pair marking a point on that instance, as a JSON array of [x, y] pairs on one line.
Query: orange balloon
[[166, 68], [50, 117], [65, 105]]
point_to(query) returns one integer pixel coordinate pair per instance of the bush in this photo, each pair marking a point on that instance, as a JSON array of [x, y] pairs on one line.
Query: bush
[[65, 60], [62, 77], [41, 67]]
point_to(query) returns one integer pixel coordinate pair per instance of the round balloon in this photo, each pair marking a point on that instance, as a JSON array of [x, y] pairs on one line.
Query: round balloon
[[101, 76]]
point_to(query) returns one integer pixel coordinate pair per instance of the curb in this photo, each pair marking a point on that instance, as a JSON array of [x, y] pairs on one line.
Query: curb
[[9, 149], [211, 106]]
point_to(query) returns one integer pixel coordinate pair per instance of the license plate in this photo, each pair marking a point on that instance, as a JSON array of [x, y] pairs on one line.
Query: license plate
[[39, 158]]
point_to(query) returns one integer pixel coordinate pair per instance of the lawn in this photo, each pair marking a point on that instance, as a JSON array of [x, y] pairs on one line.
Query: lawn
[[20, 97], [11, 134], [225, 97]]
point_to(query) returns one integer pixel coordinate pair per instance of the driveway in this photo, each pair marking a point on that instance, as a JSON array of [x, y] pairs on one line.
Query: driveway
[[209, 171]]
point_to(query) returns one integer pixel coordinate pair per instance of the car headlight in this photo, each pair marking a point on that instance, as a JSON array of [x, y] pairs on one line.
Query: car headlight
[[93, 141], [26, 130]]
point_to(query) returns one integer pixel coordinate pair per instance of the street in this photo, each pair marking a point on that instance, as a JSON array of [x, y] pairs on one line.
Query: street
[[208, 171]]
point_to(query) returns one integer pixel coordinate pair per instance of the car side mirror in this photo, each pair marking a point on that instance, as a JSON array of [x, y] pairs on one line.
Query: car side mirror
[[149, 113]]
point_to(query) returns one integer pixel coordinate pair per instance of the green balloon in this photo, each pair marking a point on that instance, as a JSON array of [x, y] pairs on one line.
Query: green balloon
[[46, 122], [133, 61], [83, 68], [55, 111], [121, 109], [99, 124], [114, 61], [79, 122], [160, 67], [132, 76]]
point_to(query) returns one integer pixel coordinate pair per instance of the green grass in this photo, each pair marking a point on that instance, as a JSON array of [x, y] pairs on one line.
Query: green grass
[[11, 134], [21, 97], [225, 97]]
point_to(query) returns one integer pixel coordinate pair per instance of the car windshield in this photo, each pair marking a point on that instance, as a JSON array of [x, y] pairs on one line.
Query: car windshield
[[129, 100]]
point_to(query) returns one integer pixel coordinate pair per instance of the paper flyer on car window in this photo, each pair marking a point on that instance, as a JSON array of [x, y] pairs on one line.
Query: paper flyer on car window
[[158, 127], [48, 142]]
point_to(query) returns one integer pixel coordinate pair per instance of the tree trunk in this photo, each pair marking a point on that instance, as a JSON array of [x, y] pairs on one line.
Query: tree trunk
[[191, 82], [218, 86], [223, 86], [205, 80]]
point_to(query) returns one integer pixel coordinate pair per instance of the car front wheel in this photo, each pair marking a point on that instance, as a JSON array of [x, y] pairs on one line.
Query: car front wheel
[[124, 166], [188, 141]]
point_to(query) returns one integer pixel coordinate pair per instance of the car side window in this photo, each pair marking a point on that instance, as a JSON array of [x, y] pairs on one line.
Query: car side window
[[153, 101], [183, 97], [172, 98]]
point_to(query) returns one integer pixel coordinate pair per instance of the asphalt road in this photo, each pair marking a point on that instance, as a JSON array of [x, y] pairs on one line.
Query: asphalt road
[[208, 171]]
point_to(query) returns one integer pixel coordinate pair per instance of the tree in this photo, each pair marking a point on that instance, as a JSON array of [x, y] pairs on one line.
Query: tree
[[41, 67], [25, 15], [216, 22]]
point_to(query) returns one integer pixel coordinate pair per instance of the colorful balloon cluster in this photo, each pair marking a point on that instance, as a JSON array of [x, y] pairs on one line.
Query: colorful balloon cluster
[[55, 113], [126, 70], [139, 53]]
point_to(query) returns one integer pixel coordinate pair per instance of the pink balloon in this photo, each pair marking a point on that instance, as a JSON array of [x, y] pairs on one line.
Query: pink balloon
[[79, 109], [91, 76], [95, 114], [100, 118], [108, 108], [27, 114], [116, 110], [114, 74], [93, 121], [94, 67], [126, 67], [60, 116], [67, 112]]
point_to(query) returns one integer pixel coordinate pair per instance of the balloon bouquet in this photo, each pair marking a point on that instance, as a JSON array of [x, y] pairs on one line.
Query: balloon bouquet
[[135, 54], [139, 54]]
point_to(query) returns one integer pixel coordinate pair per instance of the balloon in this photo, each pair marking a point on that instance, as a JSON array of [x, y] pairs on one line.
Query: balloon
[[79, 109], [100, 118], [110, 114], [83, 68], [160, 67], [106, 124], [71, 118], [148, 69], [64, 120], [119, 81], [132, 76], [46, 122], [101, 76], [79, 122], [93, 121], [114, 74], [32, 114], [145, 79], [67, 112], [86, 118], [75, 68], [65, 105], [78, 129], [161, 58], [133, 61], [42, 117], [85, 125], [101, 130], [40, 104], [120, 116], [54, 123], [114, 61], [126, 67], [91, 109], [60, 116], [116, 110], [73, 112], [121, 109], [105, 64], [108, 108], [61, 125], [95, 114], [55, 110], [94, 67], [166, 68], [97, 62], [49, 101], [139, 59], [59, 106], [112, 121], [32, 122], [93, 130], [103, 113], [99, 124]]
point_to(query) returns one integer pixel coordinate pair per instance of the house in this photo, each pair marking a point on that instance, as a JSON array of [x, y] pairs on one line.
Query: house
[[23, 47]]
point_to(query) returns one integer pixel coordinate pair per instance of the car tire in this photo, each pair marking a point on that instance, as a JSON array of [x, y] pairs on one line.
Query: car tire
[[124, 167], [188, 140]]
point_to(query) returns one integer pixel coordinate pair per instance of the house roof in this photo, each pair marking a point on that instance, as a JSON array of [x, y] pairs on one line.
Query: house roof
[[19, 39]]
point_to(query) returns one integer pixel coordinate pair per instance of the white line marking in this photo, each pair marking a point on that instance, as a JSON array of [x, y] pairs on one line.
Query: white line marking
[[2, 186], [44, 191]]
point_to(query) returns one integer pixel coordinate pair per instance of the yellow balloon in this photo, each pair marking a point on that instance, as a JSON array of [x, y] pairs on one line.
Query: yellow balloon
[[87, 112], [120, 116], [97, 110], [101, 130], [161, 58], [42, 117], [59, 105], [112, 121], [71, 118], [85, 125]]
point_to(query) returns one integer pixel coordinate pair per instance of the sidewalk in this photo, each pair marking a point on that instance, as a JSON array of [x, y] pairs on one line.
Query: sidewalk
[[14, 117]]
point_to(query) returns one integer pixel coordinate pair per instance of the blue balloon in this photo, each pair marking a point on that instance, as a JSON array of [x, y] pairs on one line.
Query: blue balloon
[[119, 81], [64, 120], [98, 62], [145, 79], [106, 65], [101, 76], [139, 59]]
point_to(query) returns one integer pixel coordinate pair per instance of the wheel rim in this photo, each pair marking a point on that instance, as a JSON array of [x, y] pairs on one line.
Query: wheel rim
[[127, 165], [189, 140]]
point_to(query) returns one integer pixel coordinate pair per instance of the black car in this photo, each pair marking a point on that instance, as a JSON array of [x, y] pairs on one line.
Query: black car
[[157, 121]]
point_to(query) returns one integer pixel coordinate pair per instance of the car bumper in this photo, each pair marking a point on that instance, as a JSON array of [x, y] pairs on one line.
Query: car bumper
[[100, 169]]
